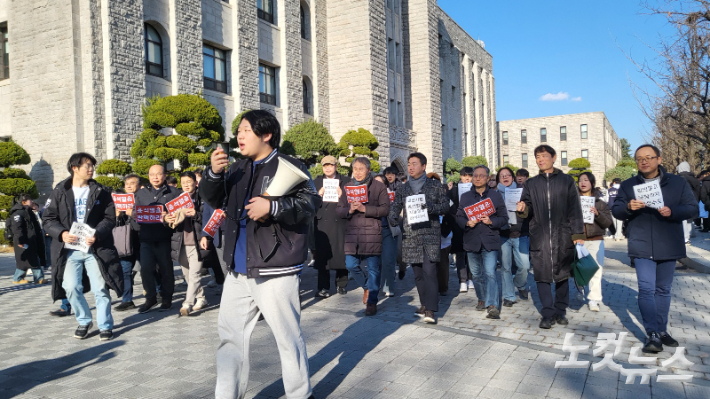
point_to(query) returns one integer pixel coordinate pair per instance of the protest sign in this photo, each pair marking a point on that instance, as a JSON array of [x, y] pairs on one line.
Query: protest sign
[[512, 197], [650, 194], [183, 201], [148, 213], [356, 193], [82, 231], [587, 205], [123, 202], [416, 209], [464, 188], [480, 209], [330, 190], [214, 223], [390, 194]]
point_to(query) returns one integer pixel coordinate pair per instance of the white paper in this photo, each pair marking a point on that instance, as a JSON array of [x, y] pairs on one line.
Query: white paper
[[512, 197], [416, 209], [464, 188], [330, 190], [82, 231], [650, 194], [587, 205]]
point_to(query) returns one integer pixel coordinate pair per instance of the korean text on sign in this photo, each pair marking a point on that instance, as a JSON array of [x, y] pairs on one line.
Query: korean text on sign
[[148, 214], [480, 209], [82, 232], [587, 205], [416, 209], [330, 190], [390, 194], [214, 223], [123, 202], [181, 202], [356, 193], [650, 194]]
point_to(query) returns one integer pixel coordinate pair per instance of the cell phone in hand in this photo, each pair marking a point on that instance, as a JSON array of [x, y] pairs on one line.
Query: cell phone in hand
[[224, 145]]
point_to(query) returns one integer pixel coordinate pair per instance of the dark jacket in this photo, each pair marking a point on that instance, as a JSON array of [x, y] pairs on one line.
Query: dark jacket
[[694, 183], [179, 232], [150, 196], [279, 245], [100, 215], [705, 192], [363, 234], [552, 204], [26, 230], [450, 219], [612, 192], [482, 236], [650, 235], [602, 221], [329, 231], [422, 237]]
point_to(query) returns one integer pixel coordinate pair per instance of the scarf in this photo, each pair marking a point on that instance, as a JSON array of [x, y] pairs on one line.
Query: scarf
[[417, 184]]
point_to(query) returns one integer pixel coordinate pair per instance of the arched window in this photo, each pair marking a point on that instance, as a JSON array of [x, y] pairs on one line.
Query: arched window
[[153, 52], [307, 98], [305, 24]]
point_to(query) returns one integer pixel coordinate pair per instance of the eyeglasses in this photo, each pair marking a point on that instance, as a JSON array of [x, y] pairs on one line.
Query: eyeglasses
[[647, 159], [88, 166], [480, 176]]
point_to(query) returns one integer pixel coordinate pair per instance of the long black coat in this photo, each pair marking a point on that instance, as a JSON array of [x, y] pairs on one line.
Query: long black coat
[[100, 215], [556, 221], [652, 236], [450, 219], [179, 234], [329, 231], [26, 231]]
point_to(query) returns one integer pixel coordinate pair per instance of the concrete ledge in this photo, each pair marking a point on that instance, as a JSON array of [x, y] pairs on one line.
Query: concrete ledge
[[698, 259]]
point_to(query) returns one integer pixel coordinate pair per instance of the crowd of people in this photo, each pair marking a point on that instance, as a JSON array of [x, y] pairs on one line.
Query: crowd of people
[[394, 221]]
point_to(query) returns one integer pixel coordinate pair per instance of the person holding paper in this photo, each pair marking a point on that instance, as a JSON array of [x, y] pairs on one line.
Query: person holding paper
[[80, 200], [481, 238], [130, 185], [265, 246], [184, 245], [329, 232], [551, 201], [454, 193], [363, 233], [514, 241], [421, 245], [594, 235], [655, 239], [155, 242]]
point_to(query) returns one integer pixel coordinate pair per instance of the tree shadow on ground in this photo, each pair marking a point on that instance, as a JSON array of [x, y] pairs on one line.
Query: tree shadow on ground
[[19, 379]]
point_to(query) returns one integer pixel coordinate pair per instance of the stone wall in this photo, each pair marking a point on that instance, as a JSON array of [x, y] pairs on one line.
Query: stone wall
[[319, 14]]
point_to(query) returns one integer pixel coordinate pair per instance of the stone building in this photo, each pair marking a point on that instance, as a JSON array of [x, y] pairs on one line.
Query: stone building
[[74, 73], [587, 135]]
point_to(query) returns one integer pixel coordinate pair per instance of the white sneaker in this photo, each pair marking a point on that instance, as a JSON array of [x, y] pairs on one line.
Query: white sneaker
[[470, 284], [184, 311], [594, 306], [199, 304], [464, 287]]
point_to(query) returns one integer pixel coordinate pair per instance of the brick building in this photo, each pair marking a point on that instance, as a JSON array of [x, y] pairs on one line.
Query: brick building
[[74, 73], [587, 135]]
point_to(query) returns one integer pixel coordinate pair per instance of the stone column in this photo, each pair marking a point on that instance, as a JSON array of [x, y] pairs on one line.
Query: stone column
[[245, 56], [186, 46], [291, 76]]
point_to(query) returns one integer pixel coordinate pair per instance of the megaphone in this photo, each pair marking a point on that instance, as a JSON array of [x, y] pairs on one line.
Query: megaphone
[[286, 178]]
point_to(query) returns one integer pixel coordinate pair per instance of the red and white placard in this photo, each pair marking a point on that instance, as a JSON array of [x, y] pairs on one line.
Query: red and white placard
[[123, 202], [214, 223], [183, 201], [148, 213], [480, 209], [356, 193]]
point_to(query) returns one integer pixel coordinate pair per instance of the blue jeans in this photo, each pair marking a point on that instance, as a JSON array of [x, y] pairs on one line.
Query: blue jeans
[[37, 273], [655, 280], [65, 305], [514, 248], [78, 261], [483, 268], [127, 266], [389, 260], [371, 281]]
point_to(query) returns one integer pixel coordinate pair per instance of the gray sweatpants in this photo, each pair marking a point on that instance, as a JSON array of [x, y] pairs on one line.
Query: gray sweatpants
[[243, 299]]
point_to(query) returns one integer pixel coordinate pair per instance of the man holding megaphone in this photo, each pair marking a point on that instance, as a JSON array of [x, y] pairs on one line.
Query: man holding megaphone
[[268, 199]]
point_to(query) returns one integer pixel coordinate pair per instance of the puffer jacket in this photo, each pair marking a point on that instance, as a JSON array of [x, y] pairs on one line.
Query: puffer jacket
[[27, 232], [602, 221], [552, 204], [363, 233], [58, 217], [650, 235], [422, 237], [179, 234]]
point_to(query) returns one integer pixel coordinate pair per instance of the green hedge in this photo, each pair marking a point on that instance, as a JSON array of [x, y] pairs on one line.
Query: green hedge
[[18, 186], [12, 154], [114, 167], [115, 183], [308, 141], [474, 160], [142, 165]]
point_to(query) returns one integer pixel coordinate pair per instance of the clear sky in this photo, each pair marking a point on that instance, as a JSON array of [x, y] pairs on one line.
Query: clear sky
[[571, 50]]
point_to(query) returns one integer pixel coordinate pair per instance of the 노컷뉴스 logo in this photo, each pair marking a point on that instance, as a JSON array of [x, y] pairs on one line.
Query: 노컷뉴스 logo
[[609, 346]]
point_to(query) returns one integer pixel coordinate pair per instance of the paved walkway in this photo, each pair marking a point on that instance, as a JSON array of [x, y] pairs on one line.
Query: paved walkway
[[390, 355]]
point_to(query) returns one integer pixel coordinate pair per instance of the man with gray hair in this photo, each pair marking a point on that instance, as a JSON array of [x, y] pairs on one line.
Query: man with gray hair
[[365, 206], [155, 242]]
